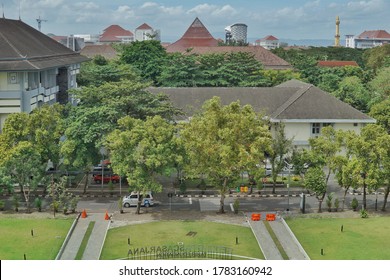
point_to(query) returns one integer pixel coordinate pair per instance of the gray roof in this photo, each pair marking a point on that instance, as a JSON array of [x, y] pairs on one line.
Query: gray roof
[[24, 48], [301, 102]]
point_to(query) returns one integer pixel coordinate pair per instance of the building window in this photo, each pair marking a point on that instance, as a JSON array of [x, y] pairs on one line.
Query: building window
[[315, 129], [13, 78]]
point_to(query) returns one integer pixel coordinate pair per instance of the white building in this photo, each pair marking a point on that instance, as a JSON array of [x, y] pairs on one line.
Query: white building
[[145, 32], [367, 39], [269, 42], [236, 33]]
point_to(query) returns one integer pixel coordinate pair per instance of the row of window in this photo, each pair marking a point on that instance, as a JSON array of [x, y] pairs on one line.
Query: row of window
[[316, 127]]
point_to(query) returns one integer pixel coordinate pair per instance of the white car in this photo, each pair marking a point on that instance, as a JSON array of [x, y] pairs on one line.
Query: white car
[[132, 199]]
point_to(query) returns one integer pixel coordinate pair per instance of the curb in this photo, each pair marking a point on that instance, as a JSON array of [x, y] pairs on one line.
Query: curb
[[59, 255], [295, 239]]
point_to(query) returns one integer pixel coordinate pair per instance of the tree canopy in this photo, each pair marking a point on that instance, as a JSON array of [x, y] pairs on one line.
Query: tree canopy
[[223, 141]]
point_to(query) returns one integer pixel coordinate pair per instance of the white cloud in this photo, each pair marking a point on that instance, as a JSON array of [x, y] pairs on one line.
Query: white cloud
[[213, 10], [366, 6], [87, 5]]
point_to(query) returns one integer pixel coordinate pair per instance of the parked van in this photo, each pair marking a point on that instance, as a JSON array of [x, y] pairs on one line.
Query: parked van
[[132, 199]]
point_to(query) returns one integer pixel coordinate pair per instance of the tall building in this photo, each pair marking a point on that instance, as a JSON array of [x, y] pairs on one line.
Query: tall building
[[236, 33], [368, 39], [337, 36]]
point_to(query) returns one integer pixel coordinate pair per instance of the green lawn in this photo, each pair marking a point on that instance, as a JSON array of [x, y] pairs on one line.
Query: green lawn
[[173, 232], [16, 239], [361, 239]]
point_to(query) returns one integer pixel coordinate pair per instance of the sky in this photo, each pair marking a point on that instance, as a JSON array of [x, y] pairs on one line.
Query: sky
[[288, 19]]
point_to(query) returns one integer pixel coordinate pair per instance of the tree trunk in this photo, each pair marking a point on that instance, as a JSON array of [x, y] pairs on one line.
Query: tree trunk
[[320, 200], [138, 210], [385, 198], [86, 182], [222, 201], [364, 194], [345, 194]]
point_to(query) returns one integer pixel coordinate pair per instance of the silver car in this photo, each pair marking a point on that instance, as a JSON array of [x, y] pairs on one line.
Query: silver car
[[132, 199]]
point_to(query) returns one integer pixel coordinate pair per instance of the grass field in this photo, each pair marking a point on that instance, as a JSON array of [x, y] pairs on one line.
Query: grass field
[[173, 232], [361, 239], [16, 239]]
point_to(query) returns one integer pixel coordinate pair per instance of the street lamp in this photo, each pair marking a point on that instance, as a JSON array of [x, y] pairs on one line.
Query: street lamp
[[288, 185]]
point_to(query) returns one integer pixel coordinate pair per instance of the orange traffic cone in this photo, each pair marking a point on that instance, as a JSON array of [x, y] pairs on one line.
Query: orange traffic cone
[[106, 217], [84, 214]]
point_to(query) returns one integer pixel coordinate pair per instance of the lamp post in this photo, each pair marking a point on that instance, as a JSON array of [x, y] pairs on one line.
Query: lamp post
[[288, 186]]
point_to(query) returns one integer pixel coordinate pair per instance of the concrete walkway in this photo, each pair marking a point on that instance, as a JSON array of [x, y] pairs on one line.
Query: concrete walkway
[[95, 242], [283, 233]]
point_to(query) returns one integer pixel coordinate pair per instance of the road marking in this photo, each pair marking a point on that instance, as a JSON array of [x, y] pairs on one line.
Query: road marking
[[190, 200]]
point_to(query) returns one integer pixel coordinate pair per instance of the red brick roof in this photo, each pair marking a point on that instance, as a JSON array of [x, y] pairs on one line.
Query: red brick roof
[[144, 27], [374, 34], [113, 34], [196, 35], [93, 50], [336, 63]]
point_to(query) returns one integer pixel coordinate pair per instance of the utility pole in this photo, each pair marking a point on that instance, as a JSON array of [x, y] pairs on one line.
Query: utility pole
[[39, 20]]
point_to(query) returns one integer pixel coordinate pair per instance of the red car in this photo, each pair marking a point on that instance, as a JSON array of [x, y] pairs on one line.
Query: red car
[[106, 178]]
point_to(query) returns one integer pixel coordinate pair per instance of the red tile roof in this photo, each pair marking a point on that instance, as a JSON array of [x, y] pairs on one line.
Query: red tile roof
[[270, 38], [374, 34], [144, 27], [113, 34], [105, 50], [196, 35], [336, 63]]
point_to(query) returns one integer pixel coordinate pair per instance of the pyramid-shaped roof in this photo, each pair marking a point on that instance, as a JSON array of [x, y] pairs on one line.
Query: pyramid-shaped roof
[[196, 35], [144, 26], [114, 33]]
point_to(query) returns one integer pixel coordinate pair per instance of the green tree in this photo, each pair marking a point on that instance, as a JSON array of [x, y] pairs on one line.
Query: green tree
[[315, 180], [326, 147], [181, 71], [24, 163], [280, 147], [352, 91], [365, 149], [376, 58], [148, 57], [100, 71], [381, 112], [140, 150], [222, 141], [380, 86]]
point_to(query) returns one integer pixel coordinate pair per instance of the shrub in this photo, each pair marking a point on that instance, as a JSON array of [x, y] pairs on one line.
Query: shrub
[[336, 204], [38, 204], [183, 186], [363, 213], [354, 204], [236, 206], [2, 205]]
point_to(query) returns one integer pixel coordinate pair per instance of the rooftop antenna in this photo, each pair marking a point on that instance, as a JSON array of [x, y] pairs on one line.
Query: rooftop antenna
[[39, 20]]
